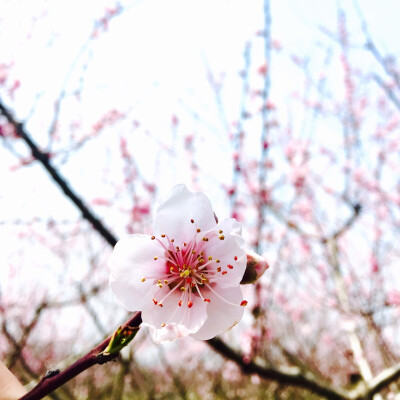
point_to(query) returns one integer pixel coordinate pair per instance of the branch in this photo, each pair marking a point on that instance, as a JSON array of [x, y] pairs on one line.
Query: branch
[[43, 158], [382, 380], [291, 376], [52, 380]]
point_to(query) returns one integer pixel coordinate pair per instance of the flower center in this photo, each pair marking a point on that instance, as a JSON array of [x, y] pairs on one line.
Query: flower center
[[190, 269]]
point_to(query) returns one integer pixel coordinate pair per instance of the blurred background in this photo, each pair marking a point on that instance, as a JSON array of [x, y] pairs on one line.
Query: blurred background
[[284, 113]]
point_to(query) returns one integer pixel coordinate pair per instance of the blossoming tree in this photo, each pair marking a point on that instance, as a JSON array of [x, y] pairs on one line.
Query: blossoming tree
[[301, 149]]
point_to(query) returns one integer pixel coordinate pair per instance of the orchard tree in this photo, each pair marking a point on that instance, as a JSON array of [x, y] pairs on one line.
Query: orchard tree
[[287, 131]]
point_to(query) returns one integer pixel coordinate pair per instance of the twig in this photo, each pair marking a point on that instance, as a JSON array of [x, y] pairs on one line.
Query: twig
[[54, 379]]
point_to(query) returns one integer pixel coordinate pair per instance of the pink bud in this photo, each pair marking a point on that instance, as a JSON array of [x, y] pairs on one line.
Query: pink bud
[[255, 268]]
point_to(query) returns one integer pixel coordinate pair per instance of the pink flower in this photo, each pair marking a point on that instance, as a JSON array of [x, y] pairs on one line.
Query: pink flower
[[184, 279]]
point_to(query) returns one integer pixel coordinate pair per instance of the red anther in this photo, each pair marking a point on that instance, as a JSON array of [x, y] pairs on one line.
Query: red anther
[[230, 266], [244, 303], [224, 272], [235, 258], [160, 305], [190, 304], [180, 303], [155, 301], [188, 280], [207, 300]]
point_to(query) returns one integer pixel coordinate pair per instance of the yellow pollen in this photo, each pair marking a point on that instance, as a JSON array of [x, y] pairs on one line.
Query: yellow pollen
[[143, 279], [162, 325], [163, 235], [220, 231], [221, 237], [165, 282], [216, 260], [153, 237], [159, 285], [172, 269], [193, 252], [209, 258], [156, 258], [183, 289]]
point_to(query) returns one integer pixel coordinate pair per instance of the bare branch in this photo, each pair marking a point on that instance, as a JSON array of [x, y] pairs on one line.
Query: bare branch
[[291, 376], [54, 379], [58, 178]]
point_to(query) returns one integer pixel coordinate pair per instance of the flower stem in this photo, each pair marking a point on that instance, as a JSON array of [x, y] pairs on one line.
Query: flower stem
[[52, 380]]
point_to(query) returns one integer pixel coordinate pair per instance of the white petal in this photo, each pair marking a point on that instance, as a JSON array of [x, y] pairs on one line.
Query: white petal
[[226, 250], [191, 318], [168, 333], [132, 260], [221, 315], [231, 225], [175, 213]]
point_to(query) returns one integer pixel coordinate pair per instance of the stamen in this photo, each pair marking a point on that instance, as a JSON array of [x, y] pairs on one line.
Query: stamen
[[189, 304], [244, 303]]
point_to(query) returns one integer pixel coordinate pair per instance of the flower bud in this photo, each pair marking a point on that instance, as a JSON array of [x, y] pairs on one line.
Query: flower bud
[[256, 266]]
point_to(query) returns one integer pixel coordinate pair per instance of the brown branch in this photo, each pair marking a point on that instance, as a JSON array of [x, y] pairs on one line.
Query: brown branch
[[43, 158], [292, 376], [52, 380], [383, 379], [348, 224]]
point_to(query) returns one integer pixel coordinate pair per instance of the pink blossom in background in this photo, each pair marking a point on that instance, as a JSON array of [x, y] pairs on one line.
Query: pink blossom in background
[[393, 298], [185, 279]]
